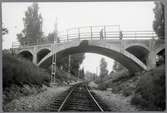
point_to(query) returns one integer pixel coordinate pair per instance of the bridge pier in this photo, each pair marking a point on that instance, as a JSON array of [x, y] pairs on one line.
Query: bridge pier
[[151, 60], [35, 49], [34, 58]]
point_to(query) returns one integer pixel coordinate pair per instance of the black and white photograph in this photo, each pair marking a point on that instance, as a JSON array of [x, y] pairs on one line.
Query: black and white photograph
[[83, 56]]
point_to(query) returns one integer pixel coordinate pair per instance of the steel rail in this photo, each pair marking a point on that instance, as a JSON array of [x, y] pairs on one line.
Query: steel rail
[[67, 97], [94, 100], [65, 100]]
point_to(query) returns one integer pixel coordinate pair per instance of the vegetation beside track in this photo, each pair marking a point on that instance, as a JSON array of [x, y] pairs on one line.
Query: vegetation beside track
[[146, 89], [150, 90], [22, 78]]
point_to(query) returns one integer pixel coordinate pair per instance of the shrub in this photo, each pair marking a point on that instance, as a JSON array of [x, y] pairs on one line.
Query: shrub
[[20, 71], [102, 86], [138, 100], [151, 87], [127, 92]]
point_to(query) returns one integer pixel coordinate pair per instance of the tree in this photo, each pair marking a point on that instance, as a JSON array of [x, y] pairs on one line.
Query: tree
[[75, 62], [103, 68], [117, 66], [82, 74], [159, 22], [32, 26], [51, 37]]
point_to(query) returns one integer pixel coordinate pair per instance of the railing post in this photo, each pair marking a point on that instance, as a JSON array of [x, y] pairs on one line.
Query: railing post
[[37, 41], [91, 32], [152, 35], [79, 33], [135, 34], [105, 32], [67, 35]]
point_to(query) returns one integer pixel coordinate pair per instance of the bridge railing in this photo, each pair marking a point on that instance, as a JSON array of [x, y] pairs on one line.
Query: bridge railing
[[96, 33]]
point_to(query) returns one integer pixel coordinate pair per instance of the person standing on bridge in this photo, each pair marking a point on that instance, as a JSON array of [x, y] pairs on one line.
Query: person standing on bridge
[[120, 35], [101, 34]]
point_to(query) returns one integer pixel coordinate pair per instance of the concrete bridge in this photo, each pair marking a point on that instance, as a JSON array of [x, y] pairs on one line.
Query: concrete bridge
[[136, 50]]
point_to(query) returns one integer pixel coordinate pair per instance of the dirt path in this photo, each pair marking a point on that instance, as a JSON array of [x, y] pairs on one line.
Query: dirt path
[[116, 102], [34, 102]]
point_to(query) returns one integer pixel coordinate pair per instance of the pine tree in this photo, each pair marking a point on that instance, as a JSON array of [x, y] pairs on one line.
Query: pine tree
[[32, 31], [103, 69]]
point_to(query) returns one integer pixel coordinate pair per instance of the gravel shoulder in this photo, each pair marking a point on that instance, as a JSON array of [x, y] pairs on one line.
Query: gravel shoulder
[[34, 102], [116, 102]]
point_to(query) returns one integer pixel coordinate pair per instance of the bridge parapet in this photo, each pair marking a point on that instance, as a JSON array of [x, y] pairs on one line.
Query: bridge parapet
[[108, 32]]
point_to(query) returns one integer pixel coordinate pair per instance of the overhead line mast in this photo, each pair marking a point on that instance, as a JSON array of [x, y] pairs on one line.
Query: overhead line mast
[[53, 72]]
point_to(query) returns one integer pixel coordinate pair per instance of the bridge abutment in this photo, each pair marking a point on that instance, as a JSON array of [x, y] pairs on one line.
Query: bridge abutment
[[35, 49], [151, 60], [35, 59]]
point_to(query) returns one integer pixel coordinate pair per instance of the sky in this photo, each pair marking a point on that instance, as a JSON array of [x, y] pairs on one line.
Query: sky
[[129, 15]]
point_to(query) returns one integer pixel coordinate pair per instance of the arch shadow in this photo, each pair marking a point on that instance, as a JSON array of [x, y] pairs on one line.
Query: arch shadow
[[42, 53], [27, 55], [139, 51]]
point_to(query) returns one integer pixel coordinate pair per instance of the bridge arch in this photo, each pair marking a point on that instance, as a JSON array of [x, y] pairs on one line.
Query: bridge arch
[[160, 48], [139, 50], [42, 53], [127, 59], [26, 54]]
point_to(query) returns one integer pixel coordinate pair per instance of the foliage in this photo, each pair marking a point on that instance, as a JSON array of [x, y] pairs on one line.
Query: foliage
[[89, 76], [62, 76], [121, 76], [51, 37], [118, 67], [151, 88], [124, 84], [15, 92], [159, 22], [81, 74], [103, 68], [138, 100], [102, 86], [32, 26], [75, 62], [20, 71]]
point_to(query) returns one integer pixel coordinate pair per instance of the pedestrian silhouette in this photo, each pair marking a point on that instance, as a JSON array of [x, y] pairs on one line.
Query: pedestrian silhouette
[[120, 35], [101, 34]]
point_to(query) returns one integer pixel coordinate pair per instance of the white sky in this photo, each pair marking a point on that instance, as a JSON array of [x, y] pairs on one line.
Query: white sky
[[129, 15]]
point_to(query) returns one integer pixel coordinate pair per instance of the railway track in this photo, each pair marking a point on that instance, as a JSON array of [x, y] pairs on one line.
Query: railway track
[[77, 98]]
